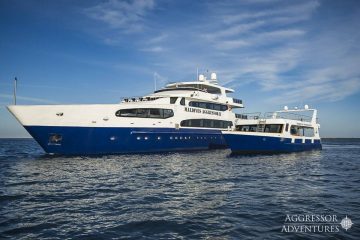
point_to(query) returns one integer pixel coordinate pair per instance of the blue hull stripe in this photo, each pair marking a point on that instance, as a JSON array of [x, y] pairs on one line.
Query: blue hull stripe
[[265, 144], [96, 140]]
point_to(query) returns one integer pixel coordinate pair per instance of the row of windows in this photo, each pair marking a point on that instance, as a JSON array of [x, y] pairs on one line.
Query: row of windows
[[278, 128], [206, 123], [206, 105], [269, 128], [302, 131], [145, 113]]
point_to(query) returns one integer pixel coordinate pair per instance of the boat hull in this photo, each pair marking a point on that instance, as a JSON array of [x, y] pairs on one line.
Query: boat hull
[[114, 140], [250, 144]]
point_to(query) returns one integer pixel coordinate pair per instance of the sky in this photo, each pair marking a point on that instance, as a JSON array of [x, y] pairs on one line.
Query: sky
[[271, 52]]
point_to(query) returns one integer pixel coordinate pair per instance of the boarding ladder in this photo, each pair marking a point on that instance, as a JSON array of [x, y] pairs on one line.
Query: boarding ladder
[[261, 125]]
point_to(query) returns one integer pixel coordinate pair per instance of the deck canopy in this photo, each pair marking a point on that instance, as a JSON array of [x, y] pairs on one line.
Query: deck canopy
[[196, 86]]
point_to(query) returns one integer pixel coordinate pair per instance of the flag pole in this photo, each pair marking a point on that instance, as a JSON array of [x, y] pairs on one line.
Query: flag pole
[[15, 88], [155, 80]]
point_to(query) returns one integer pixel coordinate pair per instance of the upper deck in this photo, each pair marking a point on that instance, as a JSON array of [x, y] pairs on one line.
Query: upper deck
[[202, 90], [283, 115]]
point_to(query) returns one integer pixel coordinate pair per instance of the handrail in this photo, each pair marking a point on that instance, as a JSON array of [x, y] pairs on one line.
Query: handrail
[[272, 115], [180, 88], [288, 115], [137, 99]]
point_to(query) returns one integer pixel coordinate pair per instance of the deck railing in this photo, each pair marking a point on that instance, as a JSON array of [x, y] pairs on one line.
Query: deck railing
[[137, 99], [272, 115], [288, 115]]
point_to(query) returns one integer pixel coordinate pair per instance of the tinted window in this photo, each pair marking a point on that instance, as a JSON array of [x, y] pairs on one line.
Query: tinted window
[[202, 105], [227, 124], [145, 113], [195, 123], [218, 124], [173, 100], [168, 113], [294, 130], [126, 113], [273, 128], [182, 102], [156, 113], [194, 104], [212, 106], [302, 131], [217, 107], [142, 113], [246, 128], [206, 123]]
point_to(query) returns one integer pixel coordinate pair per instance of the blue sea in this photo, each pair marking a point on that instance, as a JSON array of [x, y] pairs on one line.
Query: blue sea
[[182, 195]]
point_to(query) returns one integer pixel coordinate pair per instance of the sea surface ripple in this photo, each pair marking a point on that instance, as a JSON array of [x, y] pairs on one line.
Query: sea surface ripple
[[186, 195]]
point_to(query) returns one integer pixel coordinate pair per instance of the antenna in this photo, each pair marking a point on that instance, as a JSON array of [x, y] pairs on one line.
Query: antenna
[[15, 87], [197, 74]]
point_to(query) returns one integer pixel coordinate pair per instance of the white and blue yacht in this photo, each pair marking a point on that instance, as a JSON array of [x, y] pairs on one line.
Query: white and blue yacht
[[281, 131], [180, 116]]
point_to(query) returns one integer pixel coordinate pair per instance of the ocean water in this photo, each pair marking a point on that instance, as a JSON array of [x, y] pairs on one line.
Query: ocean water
[[186, 195]]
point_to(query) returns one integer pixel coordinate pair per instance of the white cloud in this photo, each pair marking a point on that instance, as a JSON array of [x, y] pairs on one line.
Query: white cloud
[[257, 45], [304, 9], [231, 44], [329, 91], [259, 39], [235, 30], [153, 44], [122, 15], [159, 38], [154, 49]]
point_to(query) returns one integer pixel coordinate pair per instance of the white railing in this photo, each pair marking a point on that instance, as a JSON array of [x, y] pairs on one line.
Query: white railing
[[274, 115], [137, 99]]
